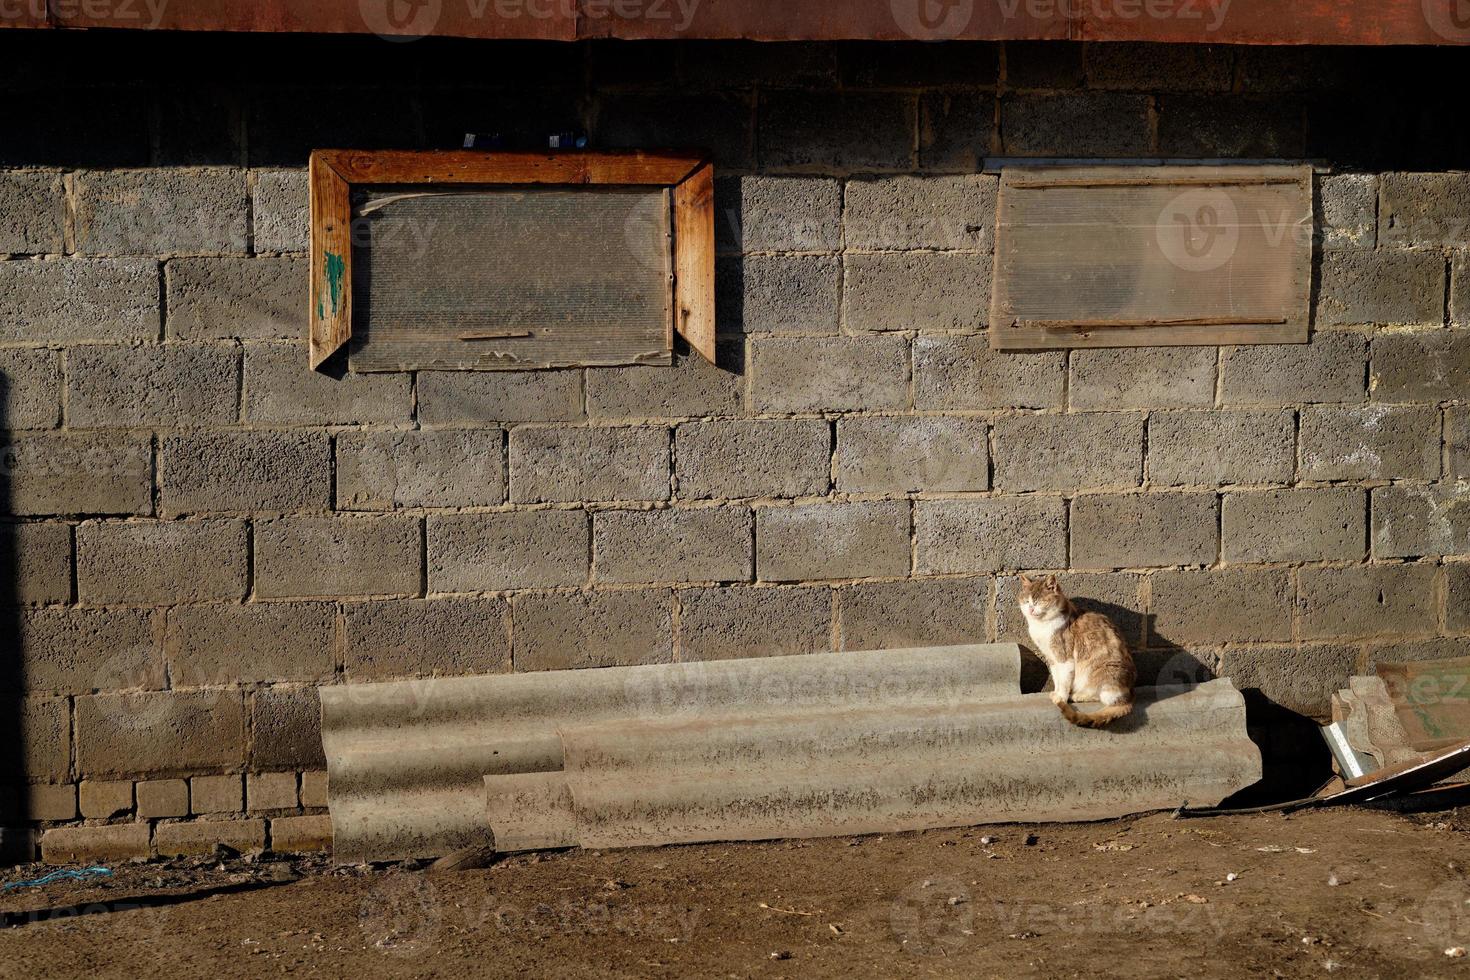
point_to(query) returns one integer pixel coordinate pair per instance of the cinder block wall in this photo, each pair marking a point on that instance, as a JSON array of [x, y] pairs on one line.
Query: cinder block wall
[[199, 531]]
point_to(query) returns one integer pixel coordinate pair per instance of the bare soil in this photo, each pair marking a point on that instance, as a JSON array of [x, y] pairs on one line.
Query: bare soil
[[1359, 892]]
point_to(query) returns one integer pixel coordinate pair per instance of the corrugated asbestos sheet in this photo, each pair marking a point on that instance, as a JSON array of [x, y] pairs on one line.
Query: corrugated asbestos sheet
[[844, 743], [407, 760]]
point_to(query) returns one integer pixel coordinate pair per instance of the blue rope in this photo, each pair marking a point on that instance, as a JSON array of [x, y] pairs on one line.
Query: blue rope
[[55, 876]]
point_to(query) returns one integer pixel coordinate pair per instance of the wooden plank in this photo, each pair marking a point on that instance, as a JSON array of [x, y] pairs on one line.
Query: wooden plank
[[330, 302], [479, 167], [1308, 22], [1168, 256], [694, 261]]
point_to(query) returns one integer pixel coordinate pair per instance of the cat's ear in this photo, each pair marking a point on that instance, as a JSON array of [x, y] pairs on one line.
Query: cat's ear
[[1051, 582], [1025, 579]]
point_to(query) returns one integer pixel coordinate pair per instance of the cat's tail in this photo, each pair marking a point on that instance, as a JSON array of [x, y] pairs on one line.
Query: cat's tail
[[1101, 718]]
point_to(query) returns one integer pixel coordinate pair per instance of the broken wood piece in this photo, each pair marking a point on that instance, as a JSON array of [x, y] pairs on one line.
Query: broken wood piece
[[496, 335]]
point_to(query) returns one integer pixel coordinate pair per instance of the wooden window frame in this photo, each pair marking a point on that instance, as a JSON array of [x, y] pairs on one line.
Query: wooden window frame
[[1009, 331], [689, 177]]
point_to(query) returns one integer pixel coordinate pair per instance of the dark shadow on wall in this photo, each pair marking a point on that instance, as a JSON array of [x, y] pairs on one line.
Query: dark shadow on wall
[[1295, 760], [15, 843]]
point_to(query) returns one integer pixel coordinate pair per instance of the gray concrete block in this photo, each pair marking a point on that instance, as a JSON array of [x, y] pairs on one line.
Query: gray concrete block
[[988, 535], [261, 642], [1370, 442], [265, 791], [1218, 606], [911, 455], [161, 562], [236, 298], [1068, 452], [1367, 600], [73, 651], [692, 388], [1076, 125], [1382, 286], [1460, 290], [30, 388], [856, 374], [734, 459], [1043, 65], [732, 623], [71, 300], [161, 212], [1142, 378], [1139, 530], [105, 799], [1457, 597], [432, 468], [722, 123], [956, 130], [1302, 678], [1347, 211], [797, 294], [46, 740], [964, 374], [921, 212], [502, 552], [1230, 126], [1332, 368], [244, 472], [37, 567], [573, 465], [1425, 210], [280, 202], [1219, 448], [216, 794], [175, 385], [34, 206], [912, 613], [916, 291], [701, 545], [1411, 521], [832, 541], [1317, 524], [459, 397], [304, 557], [837, 132], [414, 638], [1457, 441], [163, 732], [593, 629], [778, 214], [80, 845], [1159, 67], [78, 474], [162, 798], [203, 837], [280, 389], [1422, 366], [286, 729]]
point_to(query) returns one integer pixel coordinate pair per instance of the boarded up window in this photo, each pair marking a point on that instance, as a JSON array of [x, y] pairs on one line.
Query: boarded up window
[[510, 261], [512, 279], [1134, 256]]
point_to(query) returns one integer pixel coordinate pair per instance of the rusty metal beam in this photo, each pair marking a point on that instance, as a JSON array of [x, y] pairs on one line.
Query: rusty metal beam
[[1307, 22]]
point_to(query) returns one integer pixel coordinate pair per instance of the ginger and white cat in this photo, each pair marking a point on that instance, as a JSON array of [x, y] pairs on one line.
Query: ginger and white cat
[[1087, 656]]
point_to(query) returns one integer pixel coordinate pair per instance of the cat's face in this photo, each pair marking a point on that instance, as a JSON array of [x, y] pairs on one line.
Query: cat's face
[[1040, 598]]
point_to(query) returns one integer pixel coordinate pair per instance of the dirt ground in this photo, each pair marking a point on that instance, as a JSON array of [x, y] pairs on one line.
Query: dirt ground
[[1358, 892]]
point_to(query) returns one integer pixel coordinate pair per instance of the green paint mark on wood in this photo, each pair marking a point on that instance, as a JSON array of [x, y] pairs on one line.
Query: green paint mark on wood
[[336, 271]]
